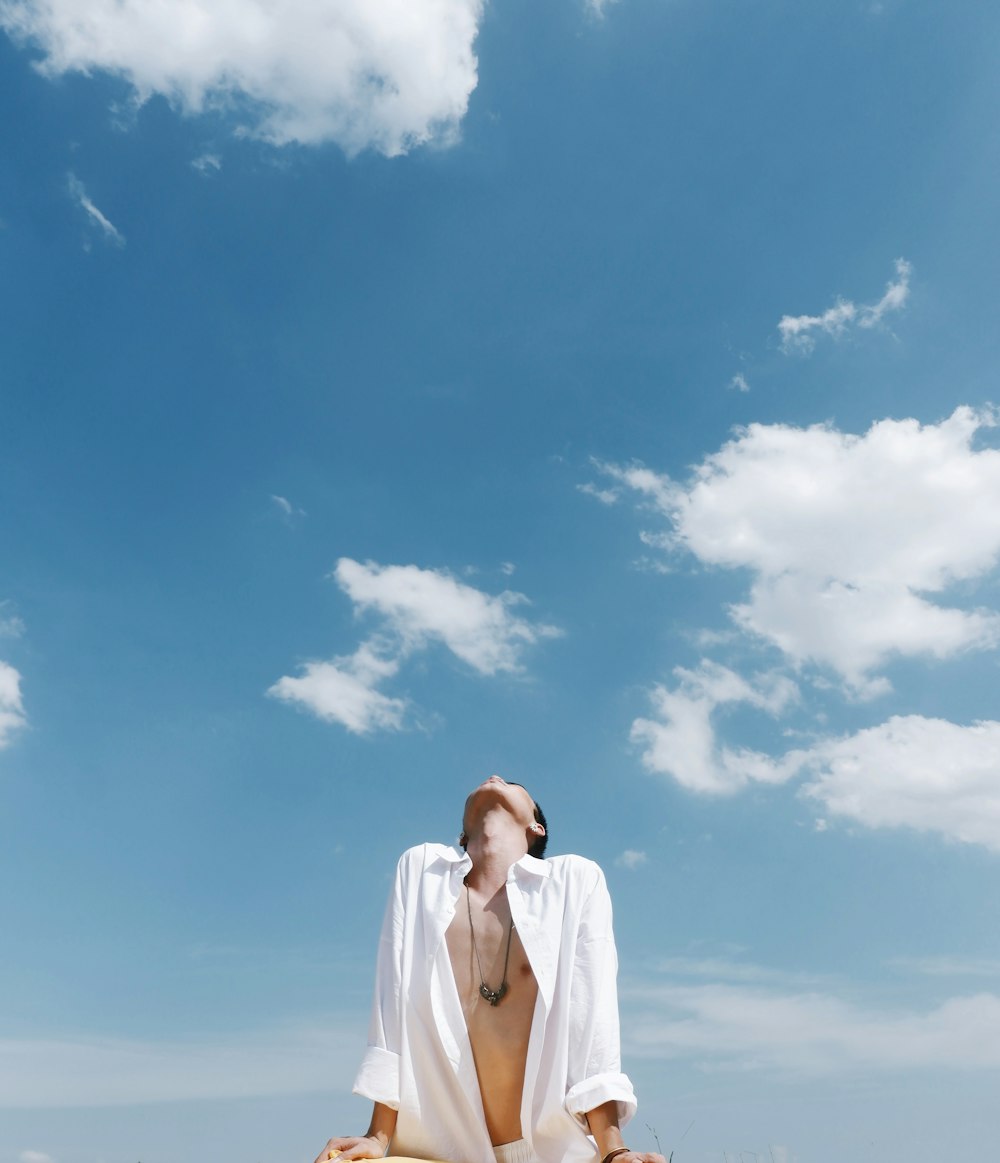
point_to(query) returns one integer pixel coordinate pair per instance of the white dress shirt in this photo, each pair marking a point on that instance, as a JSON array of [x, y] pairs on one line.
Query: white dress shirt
[[419, 1059]]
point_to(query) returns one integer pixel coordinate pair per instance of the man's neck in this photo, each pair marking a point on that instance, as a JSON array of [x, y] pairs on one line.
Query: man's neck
[[496, 845]]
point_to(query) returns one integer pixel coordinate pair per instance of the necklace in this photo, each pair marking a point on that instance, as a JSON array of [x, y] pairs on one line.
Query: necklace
[[493, 996]]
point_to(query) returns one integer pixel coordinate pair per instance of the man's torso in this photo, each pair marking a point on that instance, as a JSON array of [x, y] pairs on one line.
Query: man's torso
[[499, 1034]]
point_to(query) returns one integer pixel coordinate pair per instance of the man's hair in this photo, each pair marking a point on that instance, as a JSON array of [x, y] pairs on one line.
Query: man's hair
[[538, 844]]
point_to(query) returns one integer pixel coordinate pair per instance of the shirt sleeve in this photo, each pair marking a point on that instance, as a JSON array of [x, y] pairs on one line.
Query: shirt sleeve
[[595, 1075], [378, 1076]]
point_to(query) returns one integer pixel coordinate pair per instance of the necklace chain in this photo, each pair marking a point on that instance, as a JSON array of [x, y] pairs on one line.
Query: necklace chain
[[493, 996]]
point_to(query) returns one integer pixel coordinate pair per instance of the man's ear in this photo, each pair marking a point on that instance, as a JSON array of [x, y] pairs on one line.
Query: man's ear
[[538, 829]]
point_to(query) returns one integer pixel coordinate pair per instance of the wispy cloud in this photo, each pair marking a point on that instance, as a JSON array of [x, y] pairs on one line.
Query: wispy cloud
[[732, 969], [82, 199], [35, 1157], [744, 1028], [85, 1072], [949, 966], [207, 163], [416, 609], [12, 717], [289, 512], [798, 332], [631, 858], [11, 626], [739, 383]]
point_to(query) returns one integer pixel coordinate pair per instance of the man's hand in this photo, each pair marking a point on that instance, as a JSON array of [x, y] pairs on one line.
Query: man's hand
[[353, 1147]]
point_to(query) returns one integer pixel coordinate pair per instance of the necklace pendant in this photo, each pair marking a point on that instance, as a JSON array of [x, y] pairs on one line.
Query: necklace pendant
[[493, 996]]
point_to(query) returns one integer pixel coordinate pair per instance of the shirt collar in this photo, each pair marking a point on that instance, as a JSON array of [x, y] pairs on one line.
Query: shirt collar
[[530, 864], [533, 865]]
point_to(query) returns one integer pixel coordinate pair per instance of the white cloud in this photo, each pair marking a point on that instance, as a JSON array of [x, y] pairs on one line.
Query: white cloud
[[11, 626], [34, 1157], [421, 606], [913, 772], [417, 608], [11, 704], [745, 1028], [291, 513], [739, 383], [733, 970], [631, 858], [949, 966], [345, 691], [847, 537], [605, 496], [797, 331], [381, 74], [79, 195], [680, 740], [116, 1072], [929, 775], [207, 163]]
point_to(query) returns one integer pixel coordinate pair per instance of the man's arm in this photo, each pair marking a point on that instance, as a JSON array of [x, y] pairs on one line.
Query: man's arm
[[378, 1078], [594, 1073], [371, 1145], [603, 1123]]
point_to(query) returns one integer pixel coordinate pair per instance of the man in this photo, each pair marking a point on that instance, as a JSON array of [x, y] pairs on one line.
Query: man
[[494, 1032]]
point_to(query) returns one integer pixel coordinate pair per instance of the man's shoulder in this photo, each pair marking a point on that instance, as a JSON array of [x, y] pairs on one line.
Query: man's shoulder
[[574, 869], [421, 856]]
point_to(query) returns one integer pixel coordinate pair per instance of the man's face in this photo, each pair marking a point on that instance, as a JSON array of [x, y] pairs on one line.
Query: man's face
[[490, 791]]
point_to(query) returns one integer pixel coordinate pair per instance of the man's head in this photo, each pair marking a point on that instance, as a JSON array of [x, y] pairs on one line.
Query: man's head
[[514, 800]]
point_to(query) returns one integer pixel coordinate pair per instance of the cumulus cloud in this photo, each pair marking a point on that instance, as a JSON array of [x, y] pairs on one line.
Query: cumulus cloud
[[114, 1072], [680, 740], [737, 1027], [345, 691], [798, 332], [381, 74], [421, 606], [930, 775], [855, 549], [12, 716], [416, 608], [847, 538]]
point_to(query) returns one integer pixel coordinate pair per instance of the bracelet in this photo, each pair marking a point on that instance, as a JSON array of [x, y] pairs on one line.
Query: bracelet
[[614, 1154]]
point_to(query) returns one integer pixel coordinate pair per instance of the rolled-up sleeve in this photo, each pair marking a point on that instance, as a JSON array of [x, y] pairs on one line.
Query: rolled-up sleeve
[[595, 1074], [378, 1076]]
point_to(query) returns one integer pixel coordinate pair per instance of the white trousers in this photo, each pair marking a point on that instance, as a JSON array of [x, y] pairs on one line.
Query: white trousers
[[519, 1152]]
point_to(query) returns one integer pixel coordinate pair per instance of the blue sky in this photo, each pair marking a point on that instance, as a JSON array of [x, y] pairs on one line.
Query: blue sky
[[601, 395]]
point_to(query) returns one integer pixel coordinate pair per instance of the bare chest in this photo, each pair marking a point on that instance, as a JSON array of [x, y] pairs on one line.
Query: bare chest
[[480, 957]]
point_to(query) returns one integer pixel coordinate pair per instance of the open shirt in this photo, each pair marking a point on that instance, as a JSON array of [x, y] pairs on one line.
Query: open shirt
[[419, 1058]]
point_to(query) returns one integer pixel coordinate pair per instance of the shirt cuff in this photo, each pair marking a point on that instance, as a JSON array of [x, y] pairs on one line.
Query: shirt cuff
[[378, 1077], [598, 1089]]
